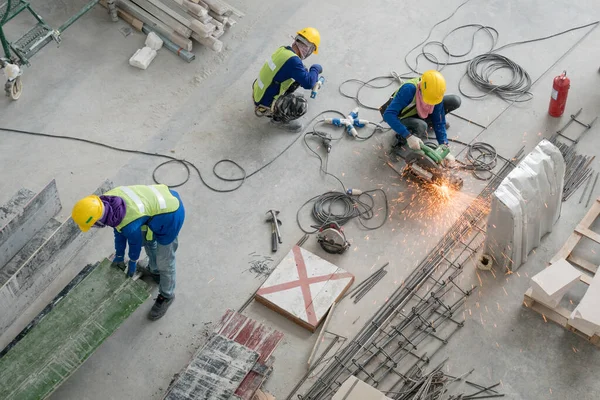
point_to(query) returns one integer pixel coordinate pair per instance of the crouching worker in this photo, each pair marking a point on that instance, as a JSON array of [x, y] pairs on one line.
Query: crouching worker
[[416, 105], [149, 216], [280, 76]]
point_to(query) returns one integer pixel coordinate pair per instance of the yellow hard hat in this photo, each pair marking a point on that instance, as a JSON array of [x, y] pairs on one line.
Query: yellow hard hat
[[87, 211], [433, 87], [312, 35]]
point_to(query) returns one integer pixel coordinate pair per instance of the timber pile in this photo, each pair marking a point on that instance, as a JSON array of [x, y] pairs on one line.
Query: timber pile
[[204, 21]]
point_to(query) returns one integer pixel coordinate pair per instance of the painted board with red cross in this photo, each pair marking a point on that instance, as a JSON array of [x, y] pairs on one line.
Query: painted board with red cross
[[303, 287]]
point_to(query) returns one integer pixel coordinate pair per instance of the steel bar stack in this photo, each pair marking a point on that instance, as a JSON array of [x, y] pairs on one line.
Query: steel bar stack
[[577, 167], [421, 314]]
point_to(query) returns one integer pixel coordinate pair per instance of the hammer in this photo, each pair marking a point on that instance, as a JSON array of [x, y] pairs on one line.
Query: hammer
[[276, 234]]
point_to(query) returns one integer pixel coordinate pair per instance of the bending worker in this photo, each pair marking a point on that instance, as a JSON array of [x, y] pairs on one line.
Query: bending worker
[[416, 105], [151, 216], [281, 75]]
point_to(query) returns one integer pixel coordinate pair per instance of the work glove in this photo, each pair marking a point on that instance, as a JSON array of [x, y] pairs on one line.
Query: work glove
[[414, 142], [118, 262], [450, 161], [318, 68], [131, 266]]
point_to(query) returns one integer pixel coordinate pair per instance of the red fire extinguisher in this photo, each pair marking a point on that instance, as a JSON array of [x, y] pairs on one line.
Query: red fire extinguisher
[[558, 98]]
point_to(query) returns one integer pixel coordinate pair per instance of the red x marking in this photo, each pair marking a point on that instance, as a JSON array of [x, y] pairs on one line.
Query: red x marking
[[304, 283]]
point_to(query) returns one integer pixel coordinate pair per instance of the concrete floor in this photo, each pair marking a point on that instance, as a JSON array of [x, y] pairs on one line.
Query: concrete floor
[[202, 112]]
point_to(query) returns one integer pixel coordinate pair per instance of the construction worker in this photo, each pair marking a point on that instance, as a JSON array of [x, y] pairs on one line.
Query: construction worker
[[281, 75], [416, 105], [149, 216]]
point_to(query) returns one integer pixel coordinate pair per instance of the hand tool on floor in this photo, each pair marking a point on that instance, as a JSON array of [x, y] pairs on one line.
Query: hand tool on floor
[[275, 233], [317, 87], [427, 166], [332, 239]]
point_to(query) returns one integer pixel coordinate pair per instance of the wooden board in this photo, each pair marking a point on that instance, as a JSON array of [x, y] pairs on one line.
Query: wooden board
[[303, 287], [60, 342], [559, 315], [257, 337], [215, 372], [23, 216], [582, 230]]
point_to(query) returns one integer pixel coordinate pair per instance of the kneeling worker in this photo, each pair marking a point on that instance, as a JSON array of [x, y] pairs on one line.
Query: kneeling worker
[[418, 103], [149, 216], [281, 75]]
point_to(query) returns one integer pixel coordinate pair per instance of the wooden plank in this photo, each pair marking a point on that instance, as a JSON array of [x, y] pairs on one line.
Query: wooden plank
[[585, 278], [254, 381], [210, 42], [588, 233], [257, 337], [171, 22], [585, 264], [70, 333], [32, 276], [591, 215], [155, 24], [23, 216], [559, 315], [216, 371], [567, 248]]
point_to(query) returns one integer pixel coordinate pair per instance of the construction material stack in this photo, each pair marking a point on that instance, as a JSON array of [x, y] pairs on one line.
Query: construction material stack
[[180, 21]]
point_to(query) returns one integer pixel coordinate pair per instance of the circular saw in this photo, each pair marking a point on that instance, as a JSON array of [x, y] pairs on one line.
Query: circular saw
[[332, 239], [426, 166]]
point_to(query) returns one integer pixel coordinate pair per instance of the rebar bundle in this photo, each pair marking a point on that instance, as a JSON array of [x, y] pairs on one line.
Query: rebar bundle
[[577, 167], [415, 316]]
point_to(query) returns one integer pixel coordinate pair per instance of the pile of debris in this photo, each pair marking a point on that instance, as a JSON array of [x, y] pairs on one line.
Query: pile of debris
[[176, 23]]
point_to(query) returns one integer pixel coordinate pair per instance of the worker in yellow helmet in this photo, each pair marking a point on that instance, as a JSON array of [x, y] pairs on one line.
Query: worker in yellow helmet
[[281, 75], [149, 216], [416, 105]]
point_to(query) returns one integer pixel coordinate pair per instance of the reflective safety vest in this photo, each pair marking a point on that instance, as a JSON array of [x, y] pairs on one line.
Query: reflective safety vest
[[267, 74], [410, 109], [144, 201]]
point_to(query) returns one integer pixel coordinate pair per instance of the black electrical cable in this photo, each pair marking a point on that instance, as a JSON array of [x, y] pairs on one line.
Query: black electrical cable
[[360, 206]]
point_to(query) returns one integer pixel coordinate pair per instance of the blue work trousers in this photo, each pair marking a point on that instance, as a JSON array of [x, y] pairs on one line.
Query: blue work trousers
[[162, 262]]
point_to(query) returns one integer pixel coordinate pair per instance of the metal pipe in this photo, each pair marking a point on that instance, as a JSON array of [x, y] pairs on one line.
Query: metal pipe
[[188, 56], [75, 17], [592, 191]]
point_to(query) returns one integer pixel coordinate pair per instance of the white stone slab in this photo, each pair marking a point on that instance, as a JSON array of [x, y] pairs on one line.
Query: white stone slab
[[142, 58], [154, 41], [355, 389], [303, 287], [550, 285], [586, 316]]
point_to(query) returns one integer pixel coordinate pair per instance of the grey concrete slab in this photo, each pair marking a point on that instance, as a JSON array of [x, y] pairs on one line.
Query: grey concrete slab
[[201, 112]]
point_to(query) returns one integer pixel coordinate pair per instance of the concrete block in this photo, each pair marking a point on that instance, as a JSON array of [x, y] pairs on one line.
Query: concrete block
[[23, 216], [153, 41], [142, 58], [586, 316], [550, 285], [525, 206], [355, 389]]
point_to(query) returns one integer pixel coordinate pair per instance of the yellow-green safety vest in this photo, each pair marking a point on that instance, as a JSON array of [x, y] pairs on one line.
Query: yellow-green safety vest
[[267, 74], [144, 201], [410, 109]]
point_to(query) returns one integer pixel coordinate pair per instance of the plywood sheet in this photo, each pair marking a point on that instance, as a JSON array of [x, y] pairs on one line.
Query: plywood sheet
[[303, 287]]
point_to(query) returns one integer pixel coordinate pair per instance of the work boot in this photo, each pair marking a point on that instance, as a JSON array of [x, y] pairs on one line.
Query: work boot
[[293, 126], [160, 307], [142, 266], [397, 145]]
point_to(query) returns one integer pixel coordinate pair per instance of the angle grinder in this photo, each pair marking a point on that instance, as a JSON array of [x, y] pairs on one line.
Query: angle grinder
[[332, 239], [426, 166]]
